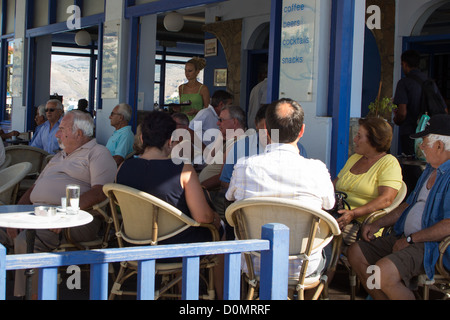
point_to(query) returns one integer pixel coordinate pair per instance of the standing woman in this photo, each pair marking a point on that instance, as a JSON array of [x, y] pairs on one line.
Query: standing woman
[[194, 91]]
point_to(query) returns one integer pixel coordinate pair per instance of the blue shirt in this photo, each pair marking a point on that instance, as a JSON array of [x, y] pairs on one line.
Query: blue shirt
[[437, 208], [121, 142], [246, 147], [45, 138]]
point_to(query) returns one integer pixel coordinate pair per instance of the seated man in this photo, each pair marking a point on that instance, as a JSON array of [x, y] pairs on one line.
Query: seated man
[[82, 161], [251, 145], [45, 138], [210, 116], [281, 172], [120, 144], [420, 224]]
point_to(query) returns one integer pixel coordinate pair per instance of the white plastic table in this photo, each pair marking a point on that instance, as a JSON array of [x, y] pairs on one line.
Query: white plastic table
[[23, 217]]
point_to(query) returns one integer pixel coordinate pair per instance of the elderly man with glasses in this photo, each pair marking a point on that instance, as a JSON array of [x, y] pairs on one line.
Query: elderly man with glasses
[[45, 138], [120, 144]]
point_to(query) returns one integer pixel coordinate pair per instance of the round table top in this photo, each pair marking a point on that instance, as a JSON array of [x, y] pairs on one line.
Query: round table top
[[23, 217]]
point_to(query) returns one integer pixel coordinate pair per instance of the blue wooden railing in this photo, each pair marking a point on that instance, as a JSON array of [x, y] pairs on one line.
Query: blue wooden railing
[[274, 266]]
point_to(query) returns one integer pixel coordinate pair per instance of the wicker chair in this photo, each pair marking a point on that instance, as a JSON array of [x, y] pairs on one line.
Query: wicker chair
[[10, 179], [369, 219], [24, 153], [310, 231], [146, 220]]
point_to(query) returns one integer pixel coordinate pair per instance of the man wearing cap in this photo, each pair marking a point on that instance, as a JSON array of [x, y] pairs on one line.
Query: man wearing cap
[[420, 224]]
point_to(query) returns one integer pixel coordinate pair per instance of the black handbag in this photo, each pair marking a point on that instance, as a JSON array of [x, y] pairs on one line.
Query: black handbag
[[340, 204]]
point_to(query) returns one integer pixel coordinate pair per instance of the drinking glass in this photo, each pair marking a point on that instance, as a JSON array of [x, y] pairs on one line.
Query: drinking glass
[[72, 198]]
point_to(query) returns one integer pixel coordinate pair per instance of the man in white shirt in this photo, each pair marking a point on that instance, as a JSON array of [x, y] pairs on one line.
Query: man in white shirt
[[282, 172], [208, 117]]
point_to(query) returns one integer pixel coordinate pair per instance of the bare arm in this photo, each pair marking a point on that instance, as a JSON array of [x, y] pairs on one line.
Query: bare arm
[[204, 92], [92, 197], [400, 114], [386, 196], [368, 231], [195, 198]]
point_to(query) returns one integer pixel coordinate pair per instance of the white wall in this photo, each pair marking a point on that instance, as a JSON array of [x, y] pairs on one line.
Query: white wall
[[114, 12]]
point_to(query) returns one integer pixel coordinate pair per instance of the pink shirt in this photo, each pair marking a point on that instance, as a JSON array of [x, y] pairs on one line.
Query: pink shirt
[[89, 165]]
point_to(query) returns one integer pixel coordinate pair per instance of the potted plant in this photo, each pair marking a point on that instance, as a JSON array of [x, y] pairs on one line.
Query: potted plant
[[382, 107]]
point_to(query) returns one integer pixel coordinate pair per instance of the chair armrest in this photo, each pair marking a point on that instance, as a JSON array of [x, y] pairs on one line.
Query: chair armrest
[[336, 250], [212, 228], [443, 246], [375, 216]]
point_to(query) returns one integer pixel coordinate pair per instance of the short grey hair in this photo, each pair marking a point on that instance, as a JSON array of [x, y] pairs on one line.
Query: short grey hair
[[82, 121], [432, 138], [237, 113], [57, 103], [125, 110], [41, 111]]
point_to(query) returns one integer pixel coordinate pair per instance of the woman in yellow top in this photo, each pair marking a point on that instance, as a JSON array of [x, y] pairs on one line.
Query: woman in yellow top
[[193, 91], [371, 177]]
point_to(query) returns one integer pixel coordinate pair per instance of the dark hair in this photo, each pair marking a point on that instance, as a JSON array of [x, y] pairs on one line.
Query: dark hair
[[412, 58], [261, 113], [182, 117], [220, 96], [82, 104], [289, 124], [157, 128], [379, 133]]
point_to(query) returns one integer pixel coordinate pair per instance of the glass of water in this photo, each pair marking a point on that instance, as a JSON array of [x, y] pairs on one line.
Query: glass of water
[[72, 198]]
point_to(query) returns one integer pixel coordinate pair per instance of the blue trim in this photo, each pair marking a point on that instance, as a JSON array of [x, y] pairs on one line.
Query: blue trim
[[133, 68], [340, 85], [62, 26], [273, 67], [161, 6], [98, 92]]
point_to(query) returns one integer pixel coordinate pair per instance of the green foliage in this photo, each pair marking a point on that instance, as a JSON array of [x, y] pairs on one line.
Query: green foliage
[[383, 108]]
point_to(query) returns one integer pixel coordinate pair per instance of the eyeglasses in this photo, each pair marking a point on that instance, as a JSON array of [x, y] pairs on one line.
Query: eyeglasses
[[115, 113], [50, 110], [222, 120]]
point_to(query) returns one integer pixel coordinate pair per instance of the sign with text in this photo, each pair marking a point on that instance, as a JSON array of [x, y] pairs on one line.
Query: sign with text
[[297, 49]]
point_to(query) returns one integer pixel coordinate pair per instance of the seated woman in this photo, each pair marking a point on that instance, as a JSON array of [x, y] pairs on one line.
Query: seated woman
[[177, 184], [371, 177]]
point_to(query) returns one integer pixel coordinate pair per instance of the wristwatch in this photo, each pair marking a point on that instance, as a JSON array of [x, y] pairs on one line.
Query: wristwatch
[[409, 239]]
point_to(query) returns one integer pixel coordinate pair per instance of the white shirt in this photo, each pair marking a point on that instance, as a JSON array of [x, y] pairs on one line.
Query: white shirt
[[258, 96], [281, 172], [208, 118]]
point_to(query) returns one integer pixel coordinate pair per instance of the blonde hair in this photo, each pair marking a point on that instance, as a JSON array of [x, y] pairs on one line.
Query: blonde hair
[[198, 63]]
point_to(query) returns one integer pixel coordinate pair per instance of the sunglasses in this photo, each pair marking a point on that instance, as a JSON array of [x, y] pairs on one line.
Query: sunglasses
[[222, 120], [50, 110]]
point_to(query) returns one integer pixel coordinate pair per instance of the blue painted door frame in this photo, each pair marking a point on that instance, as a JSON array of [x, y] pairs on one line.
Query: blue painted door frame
[[339, 98], [341, 59]]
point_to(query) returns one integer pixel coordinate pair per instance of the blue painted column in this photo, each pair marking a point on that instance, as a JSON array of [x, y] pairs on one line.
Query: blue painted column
[[275, 263], [341, 58], [2, 273]]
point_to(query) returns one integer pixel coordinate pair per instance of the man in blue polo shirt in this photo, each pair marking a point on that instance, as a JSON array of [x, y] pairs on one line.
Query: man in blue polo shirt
[[121, 142]]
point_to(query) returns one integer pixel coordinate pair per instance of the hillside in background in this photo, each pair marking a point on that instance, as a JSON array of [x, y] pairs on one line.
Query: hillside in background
[[70, 78]]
